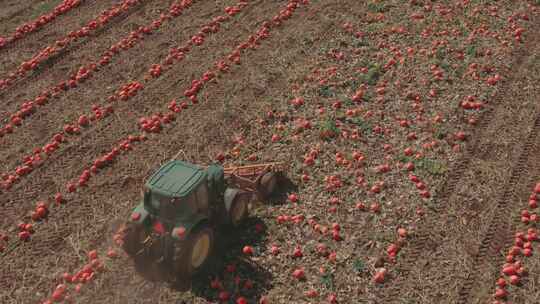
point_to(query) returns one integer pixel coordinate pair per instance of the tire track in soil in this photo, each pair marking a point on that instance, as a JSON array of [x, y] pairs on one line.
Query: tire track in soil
[[161, 89], [23, 49], [63, 217], [527, 290], [428, 236], [498, 238], [73, 48]]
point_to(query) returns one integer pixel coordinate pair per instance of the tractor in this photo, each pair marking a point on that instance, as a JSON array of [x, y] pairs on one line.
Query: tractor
[[182, 207]]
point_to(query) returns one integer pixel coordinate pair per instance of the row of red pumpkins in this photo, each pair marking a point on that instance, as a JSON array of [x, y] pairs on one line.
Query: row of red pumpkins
[[86, 274], [154, 123], [30, 27], [85, 72], [64, 42], [513, 270], [38, 156], [29, 107], [42, 210], [127, 91]]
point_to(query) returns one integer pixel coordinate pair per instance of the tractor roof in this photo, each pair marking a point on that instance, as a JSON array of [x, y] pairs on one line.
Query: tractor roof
[[176, 179]]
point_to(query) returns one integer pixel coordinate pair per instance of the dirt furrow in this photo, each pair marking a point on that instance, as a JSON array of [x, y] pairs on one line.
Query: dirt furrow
[[446, 246], [23, 49], [42, 125], [73, 48], [478, 287], [19, 12]]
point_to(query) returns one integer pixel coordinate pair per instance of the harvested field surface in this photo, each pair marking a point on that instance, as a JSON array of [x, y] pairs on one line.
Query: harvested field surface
[[408, 133]]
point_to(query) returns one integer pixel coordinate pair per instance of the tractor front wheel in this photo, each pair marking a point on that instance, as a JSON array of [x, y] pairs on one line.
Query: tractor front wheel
[[192, 255]]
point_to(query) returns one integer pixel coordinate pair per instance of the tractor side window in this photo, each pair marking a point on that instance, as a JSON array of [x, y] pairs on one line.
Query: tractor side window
[[191, 202], [202, 197]]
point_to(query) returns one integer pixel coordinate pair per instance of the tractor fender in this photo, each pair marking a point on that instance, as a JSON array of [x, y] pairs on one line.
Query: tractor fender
[[228, 197]]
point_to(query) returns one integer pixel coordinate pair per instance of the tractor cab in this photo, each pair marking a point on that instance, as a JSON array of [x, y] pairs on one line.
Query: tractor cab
[[177, 191]]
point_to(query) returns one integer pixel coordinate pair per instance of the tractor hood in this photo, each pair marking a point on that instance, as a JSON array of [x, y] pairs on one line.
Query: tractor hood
[[175, 179]]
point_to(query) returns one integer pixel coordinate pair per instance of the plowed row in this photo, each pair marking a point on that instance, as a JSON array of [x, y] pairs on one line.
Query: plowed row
[[408, 128]]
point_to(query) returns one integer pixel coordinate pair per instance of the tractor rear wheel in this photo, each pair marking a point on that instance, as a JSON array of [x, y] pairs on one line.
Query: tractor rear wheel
[[134, 237], [268, 184], [192, 255], [239, 209]]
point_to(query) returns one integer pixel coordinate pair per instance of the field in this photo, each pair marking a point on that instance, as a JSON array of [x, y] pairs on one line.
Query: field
[[409, 128]]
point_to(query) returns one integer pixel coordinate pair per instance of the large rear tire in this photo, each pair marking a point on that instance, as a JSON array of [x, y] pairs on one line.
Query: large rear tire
[[268, 184], [192, 256], [239, 209]]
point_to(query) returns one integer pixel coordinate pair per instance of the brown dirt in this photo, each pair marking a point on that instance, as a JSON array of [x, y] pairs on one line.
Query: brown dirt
[[464, 212], [15, 13], [24, 49], [236, 104], [39, 128]]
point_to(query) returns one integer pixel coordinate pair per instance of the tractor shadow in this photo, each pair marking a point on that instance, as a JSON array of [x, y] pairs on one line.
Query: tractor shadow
[[284, 187], [227, 253]]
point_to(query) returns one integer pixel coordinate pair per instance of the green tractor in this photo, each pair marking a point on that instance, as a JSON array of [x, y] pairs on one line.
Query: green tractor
[[182, 206]]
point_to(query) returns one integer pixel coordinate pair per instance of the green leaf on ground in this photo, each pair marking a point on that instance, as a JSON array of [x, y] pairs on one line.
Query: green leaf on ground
[[328, 281], [359, 266]]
